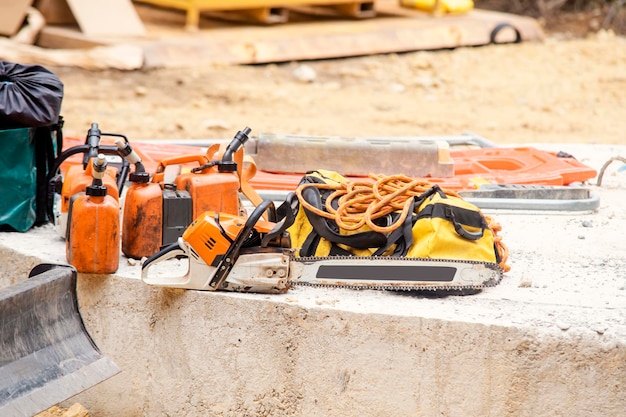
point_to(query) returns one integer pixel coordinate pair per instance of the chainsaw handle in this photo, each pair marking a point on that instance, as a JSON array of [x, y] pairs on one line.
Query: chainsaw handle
[[170, 251], [230, 257]]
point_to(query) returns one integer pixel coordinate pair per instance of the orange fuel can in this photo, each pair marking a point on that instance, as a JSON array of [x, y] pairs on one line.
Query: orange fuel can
[[158, 210], [142, 221], [93, 240], [156, 213], [76, 181], [211, 190]]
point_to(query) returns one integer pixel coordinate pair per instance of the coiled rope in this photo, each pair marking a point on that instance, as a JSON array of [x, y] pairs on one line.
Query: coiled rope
[[359, 203]]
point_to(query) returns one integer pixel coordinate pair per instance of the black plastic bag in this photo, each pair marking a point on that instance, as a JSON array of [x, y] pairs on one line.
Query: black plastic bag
[[30, 96]]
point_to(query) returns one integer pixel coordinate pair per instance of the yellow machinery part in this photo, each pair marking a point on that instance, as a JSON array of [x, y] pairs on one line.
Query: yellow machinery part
[[439, 6]]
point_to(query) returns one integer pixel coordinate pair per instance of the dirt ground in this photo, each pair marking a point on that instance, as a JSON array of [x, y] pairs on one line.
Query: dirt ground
[[568, 88]]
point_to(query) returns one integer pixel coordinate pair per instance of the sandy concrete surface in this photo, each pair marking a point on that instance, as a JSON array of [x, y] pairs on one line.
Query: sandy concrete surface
[[549, 340]]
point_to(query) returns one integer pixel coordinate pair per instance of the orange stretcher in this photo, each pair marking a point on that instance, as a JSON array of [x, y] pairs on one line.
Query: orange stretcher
[[472, 167]]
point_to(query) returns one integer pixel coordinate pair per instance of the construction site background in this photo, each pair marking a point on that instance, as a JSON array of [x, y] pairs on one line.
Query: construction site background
[[578, 15], [565, 90]]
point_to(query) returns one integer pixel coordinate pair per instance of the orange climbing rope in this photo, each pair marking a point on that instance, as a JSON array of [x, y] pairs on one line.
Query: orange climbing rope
[[362, 202]]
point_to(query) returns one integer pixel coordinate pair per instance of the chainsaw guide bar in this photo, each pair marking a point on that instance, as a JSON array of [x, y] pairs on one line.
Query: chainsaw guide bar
[[399, 274]]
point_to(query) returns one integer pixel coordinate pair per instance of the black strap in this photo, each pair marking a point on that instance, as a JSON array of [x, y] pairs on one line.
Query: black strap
[[459, 217], [310, 244], [362, 240], [45, 157], [336, 250], [402, 237], [495, 250], [283, 216], [312, 241]]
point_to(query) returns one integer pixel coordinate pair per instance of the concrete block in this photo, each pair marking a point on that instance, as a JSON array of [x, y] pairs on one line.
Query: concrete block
[[549, 340]]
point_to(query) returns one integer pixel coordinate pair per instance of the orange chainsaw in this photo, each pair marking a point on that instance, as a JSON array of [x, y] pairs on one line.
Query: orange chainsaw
[[228, 252], [233, 253]]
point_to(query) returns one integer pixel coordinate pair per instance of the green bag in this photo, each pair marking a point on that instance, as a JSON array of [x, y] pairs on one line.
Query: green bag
[[30, 140], [18, 179]]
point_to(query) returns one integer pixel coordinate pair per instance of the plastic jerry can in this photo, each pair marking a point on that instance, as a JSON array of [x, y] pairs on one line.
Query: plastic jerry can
[[211, 190], [93, 238], [153, 216], [142, 220], [76, 181]]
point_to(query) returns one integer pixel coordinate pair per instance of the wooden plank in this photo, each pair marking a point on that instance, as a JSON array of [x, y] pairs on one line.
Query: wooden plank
[[239, 4], [193, 8], [394, 29], [265, 15], [107, 18], [56, 12], [123, 57], [12, 15], [67, 37], [335, 39], [358, 10]]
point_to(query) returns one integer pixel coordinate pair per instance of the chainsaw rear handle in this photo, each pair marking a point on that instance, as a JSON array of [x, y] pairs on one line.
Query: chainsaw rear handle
[[170, 251], [198, 273], [201, 276]]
